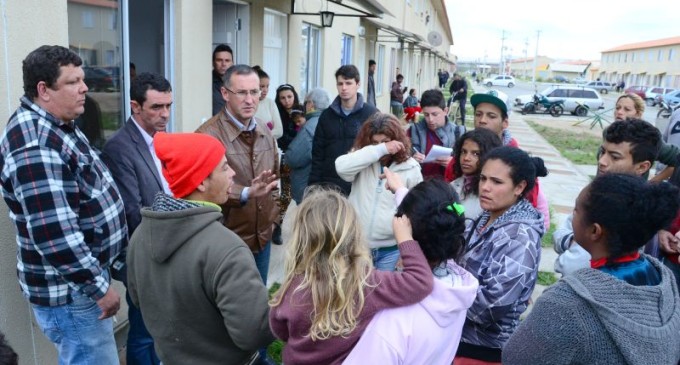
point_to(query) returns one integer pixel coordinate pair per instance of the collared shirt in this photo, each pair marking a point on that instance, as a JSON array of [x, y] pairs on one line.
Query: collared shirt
[[149, 143], [242, 127], [68, 213]]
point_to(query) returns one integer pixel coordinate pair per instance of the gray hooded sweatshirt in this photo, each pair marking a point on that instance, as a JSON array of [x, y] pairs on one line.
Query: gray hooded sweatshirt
[[197, 286], [591, 317]]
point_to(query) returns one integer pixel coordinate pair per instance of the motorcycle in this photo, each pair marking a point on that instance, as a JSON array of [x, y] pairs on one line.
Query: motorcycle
[[541, 103], [665, 109]]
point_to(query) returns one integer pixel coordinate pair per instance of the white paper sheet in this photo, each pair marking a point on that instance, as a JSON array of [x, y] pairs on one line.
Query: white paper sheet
[[436, 152]]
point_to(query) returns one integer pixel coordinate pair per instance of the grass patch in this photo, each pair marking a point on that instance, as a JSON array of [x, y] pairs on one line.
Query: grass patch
[[546, 240], [546, 278], [580, 148], [275, 348]]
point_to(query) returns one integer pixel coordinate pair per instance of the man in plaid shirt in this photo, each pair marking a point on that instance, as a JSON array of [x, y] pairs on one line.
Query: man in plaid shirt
[[69, 217]]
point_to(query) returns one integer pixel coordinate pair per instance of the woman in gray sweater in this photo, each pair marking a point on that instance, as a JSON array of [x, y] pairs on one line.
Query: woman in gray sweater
[[625, 309]]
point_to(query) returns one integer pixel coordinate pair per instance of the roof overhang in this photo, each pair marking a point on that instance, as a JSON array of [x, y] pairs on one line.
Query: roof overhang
[[399, 33], [345, 8]]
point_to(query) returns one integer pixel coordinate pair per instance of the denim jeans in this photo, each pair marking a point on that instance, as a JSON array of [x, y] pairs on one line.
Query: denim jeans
[[385, 260], [140, 349], [262, 261], [78, 334]]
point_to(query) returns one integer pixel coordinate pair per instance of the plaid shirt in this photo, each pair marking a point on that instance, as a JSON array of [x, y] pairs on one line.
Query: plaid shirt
[[69, 216]]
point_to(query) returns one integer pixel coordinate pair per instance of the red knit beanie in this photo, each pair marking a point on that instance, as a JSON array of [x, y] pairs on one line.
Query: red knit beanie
[[187, 159]]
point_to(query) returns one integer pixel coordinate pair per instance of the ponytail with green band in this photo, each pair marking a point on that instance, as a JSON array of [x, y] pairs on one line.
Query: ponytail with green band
[[456, 207]]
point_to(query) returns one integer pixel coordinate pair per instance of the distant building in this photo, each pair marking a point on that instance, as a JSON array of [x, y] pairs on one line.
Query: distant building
[[649, 63], [523, 67], [568, 69]]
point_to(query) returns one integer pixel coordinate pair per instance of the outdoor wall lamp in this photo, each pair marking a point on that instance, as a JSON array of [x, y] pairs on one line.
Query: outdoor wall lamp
[[327, 18]]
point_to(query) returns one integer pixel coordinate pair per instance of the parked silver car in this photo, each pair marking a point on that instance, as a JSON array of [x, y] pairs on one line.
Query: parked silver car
[[575, 98], [601, 86], [652, 92]]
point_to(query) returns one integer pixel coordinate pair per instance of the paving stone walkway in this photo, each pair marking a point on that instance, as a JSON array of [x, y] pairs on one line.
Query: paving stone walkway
[[561, 187]]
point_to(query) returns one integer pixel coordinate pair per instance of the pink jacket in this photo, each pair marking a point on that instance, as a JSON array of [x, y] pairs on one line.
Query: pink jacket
[[424, 333]]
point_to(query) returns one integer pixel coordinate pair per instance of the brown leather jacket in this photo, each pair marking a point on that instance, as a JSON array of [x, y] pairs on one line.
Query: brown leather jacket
[[253, 222]]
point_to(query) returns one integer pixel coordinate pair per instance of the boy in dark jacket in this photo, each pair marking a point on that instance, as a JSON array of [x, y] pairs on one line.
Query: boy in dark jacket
[[337, 129]]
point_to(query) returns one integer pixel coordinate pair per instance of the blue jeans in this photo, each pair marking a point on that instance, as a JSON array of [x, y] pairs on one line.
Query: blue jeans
[[79, 336], [385, 260], [140, 350], [262, 261]]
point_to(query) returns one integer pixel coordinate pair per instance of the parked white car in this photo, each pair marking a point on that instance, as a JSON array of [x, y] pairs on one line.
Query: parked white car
[[575, 97], [500, 80]]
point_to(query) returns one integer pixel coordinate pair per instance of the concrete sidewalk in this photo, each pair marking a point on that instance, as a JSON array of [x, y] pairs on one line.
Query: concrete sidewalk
[[561, 187]]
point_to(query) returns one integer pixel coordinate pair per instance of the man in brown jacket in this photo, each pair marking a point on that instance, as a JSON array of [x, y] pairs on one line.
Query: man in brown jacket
[[251, 209]]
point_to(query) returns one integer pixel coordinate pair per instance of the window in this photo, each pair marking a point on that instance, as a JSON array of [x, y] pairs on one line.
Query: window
[[660, 57], [620, 57], [558, 93], [346, 50], [309, 65], [113, 21], [632, 57], [650, 56], [99, 46], [380, 80], [87, 19], [625, 57], [671, 53], [588, 94]]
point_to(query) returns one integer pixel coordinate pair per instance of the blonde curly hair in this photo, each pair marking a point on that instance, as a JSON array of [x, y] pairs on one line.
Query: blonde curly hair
[[328, 250]]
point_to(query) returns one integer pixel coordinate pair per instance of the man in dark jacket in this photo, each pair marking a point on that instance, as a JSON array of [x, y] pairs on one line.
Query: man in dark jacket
[[338, 127], [223, 58], [459, 86], [370, 90]]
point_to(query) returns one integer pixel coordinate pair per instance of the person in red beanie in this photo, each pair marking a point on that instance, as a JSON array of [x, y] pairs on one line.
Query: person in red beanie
[[195, 280]]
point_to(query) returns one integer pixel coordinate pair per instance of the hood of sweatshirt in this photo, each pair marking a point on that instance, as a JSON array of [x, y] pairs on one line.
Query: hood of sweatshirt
[[451, 295], [632, 315], [336, 105], [172, 222]]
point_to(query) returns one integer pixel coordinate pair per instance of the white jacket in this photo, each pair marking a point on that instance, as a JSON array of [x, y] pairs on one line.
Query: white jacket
[[424, 333], [373, 202]]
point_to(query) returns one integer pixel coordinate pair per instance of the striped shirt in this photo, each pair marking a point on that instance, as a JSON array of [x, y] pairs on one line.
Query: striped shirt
[[69, 217]]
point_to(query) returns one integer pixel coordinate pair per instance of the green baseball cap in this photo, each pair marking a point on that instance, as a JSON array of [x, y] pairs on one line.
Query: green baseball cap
[[490, 97]]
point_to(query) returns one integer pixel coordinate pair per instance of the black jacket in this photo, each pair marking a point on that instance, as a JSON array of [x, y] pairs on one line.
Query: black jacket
[[334, 137], [218, 100], [457, 85]]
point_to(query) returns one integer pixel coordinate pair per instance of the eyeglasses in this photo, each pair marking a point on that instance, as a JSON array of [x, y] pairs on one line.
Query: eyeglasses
[[243, 94]]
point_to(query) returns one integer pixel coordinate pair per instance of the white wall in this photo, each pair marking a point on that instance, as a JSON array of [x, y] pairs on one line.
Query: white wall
[[19, 35]]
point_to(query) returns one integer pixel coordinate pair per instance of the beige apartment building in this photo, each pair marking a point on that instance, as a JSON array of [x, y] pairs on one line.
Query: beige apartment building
[[176, 38], [650, 63]]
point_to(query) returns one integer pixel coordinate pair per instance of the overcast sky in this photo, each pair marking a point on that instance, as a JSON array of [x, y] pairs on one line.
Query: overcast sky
[[576, 29]]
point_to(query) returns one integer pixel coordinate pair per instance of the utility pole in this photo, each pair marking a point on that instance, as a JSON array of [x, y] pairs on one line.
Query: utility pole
[[533, 77], [502, 64], [526, 47]]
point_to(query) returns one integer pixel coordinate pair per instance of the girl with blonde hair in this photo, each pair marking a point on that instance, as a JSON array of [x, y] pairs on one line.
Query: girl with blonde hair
[[330, 290]]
